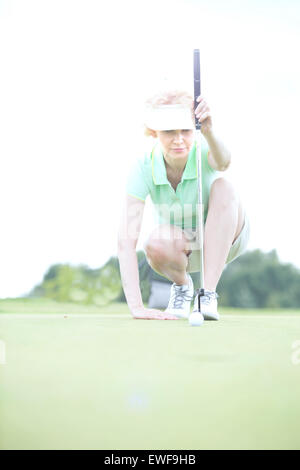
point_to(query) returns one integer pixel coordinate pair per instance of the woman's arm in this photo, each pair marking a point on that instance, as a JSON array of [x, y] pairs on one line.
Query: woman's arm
[[219, 157], [129, 231]]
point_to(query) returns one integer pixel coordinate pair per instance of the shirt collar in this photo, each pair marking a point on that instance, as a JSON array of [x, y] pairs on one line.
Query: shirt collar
[[159, 172]]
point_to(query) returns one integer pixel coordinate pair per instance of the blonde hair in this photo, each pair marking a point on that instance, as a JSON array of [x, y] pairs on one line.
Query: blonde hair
[[169, 97]]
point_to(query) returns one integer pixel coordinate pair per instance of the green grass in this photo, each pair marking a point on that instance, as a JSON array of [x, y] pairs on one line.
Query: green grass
[[100, 380]]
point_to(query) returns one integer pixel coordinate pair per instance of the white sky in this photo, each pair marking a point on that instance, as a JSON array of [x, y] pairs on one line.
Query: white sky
[[73, 78]]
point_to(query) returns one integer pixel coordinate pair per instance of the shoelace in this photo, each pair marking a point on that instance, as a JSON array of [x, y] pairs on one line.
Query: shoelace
[[205, 299], [179, 297]]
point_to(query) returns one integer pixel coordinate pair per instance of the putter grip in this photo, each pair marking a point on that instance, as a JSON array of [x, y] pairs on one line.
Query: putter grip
[[197, 82]]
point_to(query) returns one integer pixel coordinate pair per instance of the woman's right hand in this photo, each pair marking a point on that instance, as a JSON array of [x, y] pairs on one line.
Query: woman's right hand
[[151, 314]]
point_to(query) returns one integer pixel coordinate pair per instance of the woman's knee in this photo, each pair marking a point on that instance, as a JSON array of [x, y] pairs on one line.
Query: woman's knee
[[154, 248], [164, 243], [223, 193]]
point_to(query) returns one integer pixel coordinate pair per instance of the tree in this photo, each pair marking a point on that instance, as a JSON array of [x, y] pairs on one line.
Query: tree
[[80, 284], [260, 280], [255, 280]]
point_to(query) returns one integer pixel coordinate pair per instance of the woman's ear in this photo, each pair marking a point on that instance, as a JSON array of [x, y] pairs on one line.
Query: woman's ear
[[153, 133]]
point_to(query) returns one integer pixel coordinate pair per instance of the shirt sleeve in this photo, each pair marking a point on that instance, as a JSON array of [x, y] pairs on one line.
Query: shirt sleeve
[[136, 182]]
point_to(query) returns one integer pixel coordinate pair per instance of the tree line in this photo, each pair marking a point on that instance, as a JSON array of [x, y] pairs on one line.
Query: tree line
[[254, 280]]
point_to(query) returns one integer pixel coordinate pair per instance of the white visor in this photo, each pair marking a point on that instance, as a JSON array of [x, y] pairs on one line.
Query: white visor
[[169, 117]]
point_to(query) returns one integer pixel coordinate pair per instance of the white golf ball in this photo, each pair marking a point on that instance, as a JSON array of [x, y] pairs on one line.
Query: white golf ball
[[196, 319]]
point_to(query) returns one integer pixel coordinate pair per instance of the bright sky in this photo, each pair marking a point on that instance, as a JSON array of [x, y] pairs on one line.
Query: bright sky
[[74, 75]]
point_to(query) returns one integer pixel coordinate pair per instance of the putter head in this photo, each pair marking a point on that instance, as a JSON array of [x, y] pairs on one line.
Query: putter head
[[200, 293]]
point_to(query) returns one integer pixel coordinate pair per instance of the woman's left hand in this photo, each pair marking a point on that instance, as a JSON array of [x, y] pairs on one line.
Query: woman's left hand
[[203, 115]]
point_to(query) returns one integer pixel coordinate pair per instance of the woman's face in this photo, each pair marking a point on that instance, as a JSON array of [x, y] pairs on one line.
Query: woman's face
[[176, 144]]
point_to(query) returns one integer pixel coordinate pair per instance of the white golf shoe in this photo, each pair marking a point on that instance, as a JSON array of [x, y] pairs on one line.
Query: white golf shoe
[[209, 305], [180, 299]]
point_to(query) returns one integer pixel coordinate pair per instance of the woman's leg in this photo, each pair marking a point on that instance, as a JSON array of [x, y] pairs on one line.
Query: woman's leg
[[225, 220], [167, 251], [167, 248]]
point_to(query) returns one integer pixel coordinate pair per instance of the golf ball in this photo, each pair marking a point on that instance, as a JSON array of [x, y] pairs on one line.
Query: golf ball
[[196, 319]]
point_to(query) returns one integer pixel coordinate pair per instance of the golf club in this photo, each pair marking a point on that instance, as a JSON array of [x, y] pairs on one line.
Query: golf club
[[197, 93]]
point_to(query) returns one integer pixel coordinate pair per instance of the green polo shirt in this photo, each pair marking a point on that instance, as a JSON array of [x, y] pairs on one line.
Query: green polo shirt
[[149, 177]]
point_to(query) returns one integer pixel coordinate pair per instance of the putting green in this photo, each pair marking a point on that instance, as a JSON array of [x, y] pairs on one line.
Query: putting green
[[100, 380]]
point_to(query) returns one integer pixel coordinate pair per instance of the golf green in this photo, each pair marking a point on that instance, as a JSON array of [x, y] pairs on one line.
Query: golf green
[[97, 379]]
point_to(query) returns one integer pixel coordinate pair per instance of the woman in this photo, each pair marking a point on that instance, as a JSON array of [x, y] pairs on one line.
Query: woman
[[169, 175]]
